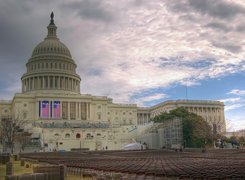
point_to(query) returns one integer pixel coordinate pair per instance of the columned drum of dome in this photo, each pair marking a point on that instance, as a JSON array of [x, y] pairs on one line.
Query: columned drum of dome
[[51, 67]]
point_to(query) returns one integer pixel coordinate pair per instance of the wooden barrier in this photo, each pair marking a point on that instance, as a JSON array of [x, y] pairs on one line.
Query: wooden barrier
[[9, 168], [11, 177], [22, 162], [4, 158], [35, 176], [54, 172]]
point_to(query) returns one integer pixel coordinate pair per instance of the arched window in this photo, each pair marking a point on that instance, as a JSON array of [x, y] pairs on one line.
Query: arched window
[[89, 136], [67, 135], [78, 136], [56, 135]]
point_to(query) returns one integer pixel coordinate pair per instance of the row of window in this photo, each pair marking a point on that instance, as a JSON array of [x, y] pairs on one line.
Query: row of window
[[78, 135], [123, 122], [124, 113], [51, 65], [44, 50]]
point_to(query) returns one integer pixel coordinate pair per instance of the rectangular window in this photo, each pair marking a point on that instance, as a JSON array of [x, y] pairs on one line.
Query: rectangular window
[[73, 110], [56, 109], [64, 110], [45, 109]]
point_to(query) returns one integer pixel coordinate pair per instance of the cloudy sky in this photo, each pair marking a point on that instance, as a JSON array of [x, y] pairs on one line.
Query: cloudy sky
[[136, 51]]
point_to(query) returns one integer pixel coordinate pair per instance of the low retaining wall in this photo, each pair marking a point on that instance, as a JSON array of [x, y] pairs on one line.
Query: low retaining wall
[[36, 176]]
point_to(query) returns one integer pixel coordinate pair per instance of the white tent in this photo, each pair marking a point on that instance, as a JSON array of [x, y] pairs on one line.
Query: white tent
[[132, 146]]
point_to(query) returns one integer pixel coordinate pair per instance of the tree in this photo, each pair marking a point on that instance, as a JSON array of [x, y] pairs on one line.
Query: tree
[[196, 131], [12, 132]]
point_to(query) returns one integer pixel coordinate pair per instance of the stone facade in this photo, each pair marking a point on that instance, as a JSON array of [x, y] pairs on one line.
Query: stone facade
[[62, 118]]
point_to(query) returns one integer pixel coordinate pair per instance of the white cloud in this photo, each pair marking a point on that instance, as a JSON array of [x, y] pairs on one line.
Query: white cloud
[[233, 106], [236, 123], [233, 103], [230, 100], [154, 97], [131, 55], [237, 92]]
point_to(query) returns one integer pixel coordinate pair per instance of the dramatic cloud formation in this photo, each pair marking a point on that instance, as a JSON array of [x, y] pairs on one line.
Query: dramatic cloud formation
[[127, 48]]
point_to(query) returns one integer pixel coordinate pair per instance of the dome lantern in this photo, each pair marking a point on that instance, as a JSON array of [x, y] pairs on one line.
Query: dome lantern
[[51, 28]]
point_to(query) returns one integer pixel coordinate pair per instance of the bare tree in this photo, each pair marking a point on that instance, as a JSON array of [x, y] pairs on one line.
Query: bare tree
[[12, 132]]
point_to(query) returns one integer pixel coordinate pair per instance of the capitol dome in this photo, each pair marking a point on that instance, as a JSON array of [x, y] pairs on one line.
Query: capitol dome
[[51, 46], [51, 66]]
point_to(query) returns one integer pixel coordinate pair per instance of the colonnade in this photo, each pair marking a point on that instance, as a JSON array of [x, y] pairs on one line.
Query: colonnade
[[50, 82], [68, 110], [214, 115], [143, 118]]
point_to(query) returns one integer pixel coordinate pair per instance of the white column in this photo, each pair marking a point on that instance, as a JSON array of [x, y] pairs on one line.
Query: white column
[[53, 83], [43, 82], [79, 110], [48, 82], [23, 85], [60, 109], [32, 83], [68, 115], [87, 111], [58, 83], [28, 84], [49, 110]]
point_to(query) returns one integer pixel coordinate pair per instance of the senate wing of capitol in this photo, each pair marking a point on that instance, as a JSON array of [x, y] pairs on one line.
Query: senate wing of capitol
[[61, 118]]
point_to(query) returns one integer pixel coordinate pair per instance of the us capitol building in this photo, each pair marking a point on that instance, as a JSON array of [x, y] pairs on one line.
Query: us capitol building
[[62, 118]]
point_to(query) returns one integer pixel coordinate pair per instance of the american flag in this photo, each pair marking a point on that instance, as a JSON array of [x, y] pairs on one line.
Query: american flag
[[45, 109], [56, 109]]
